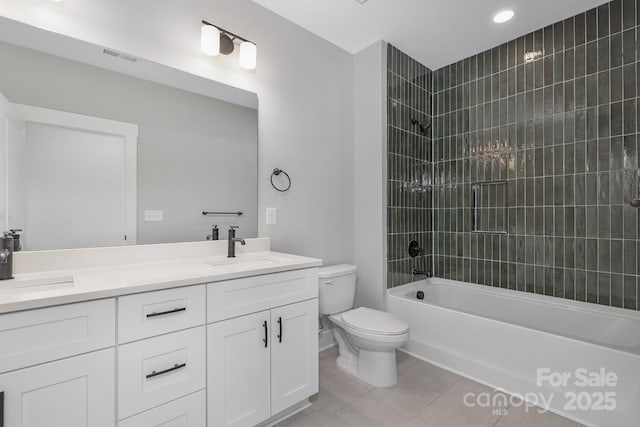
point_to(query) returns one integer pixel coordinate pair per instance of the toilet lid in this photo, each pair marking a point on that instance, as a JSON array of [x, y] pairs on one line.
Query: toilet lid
[[375, 321]]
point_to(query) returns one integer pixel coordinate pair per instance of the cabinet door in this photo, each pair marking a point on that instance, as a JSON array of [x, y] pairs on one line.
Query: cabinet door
[[238, 378], [294, 354], [74, 392]]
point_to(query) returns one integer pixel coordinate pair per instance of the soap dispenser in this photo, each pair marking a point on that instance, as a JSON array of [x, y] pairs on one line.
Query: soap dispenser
[[6, 257], [215, 233], [15, 233]]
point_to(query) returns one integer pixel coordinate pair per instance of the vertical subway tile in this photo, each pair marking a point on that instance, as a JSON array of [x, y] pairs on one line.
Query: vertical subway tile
[[561, 130]]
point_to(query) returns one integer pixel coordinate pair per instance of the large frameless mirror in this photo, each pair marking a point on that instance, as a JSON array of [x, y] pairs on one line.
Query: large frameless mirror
[[100, 148]]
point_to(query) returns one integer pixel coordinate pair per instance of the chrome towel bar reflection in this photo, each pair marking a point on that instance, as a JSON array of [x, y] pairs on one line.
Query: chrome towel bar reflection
[[205, 213]]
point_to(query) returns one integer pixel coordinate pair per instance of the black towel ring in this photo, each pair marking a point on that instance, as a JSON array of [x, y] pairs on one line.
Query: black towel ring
[[277, 172]]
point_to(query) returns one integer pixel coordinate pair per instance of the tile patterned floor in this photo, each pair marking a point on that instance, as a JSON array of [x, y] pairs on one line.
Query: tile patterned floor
[[425, 396]]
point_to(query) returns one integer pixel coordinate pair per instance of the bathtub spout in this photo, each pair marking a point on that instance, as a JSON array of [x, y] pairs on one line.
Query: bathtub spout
[[417, 272]]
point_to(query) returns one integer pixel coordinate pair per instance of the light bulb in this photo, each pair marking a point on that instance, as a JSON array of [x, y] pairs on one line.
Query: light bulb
[[210, 40], [248, 55]]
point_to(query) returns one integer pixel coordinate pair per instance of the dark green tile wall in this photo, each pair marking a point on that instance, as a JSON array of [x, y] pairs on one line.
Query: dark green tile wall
[[555, 115], [409, 166]]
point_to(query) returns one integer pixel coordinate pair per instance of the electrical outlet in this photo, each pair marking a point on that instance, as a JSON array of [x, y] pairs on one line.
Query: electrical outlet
[[272, 218], [153, 216]]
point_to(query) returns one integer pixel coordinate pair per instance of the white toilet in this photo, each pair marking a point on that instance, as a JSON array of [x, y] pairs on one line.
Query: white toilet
[[367, 339]]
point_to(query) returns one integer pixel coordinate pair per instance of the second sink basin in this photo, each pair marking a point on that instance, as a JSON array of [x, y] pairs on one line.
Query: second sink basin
[[38, 284]]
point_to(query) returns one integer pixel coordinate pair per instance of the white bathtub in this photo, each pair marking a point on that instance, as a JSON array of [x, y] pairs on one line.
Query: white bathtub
[[502, 338]]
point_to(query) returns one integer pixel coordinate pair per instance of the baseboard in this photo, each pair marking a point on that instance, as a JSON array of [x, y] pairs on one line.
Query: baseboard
[[326, 339], [287, 413], [326, 347]]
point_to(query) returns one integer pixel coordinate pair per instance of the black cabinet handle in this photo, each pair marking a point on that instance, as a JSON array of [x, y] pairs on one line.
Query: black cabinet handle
[[165, 371], [164, 313], [266, 334], [280, 326], [1, 408]]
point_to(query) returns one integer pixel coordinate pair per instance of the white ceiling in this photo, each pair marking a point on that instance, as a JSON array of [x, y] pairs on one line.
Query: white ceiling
[[435, 32]]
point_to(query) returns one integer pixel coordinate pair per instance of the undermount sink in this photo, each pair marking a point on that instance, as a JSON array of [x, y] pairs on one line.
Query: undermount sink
[[246, 262], [38, 284]]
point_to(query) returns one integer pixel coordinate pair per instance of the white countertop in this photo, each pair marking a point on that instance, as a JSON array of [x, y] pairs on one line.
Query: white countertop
[[37, 289]]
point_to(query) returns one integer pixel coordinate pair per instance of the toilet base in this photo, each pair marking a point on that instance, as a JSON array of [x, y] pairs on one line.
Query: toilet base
[[377, 368], [348, 366]]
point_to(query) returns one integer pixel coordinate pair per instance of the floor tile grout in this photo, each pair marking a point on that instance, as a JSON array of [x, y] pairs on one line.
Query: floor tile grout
[[426, 396]]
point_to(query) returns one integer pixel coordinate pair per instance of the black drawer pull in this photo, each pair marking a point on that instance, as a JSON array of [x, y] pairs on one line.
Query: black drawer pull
[[166, 371], [164, 313], [280, 331], [266, 334], [1, 408]]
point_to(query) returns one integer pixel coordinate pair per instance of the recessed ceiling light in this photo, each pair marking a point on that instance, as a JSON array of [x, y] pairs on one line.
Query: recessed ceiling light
[[503, 16]]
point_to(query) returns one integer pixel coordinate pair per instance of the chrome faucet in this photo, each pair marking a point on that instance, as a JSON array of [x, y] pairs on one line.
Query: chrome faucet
[[233, 240]]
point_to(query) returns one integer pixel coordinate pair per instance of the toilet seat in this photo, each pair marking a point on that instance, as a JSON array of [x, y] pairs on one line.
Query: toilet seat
[[374, 322]]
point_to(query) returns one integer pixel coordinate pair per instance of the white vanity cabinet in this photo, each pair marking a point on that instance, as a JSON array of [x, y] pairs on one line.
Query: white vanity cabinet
[[159, 370], [188, 411], [74, 392], [238, 378], [45, 380], [162, 356], [260, 364], [294, 354], [229, 353]]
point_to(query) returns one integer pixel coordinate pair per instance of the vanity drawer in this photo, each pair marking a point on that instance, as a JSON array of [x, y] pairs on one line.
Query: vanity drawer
[[234, 298], [188, 411], [156, 313], [161, 369], [37, 336]]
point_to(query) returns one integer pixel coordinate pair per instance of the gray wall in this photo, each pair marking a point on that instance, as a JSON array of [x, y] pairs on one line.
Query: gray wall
[[194, 153], [369, 162]]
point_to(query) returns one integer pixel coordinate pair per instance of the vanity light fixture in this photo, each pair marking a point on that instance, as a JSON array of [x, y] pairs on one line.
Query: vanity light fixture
[[215, 40], [503, 16]]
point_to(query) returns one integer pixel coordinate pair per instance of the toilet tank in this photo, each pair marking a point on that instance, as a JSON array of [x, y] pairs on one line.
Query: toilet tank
[[337, 288]]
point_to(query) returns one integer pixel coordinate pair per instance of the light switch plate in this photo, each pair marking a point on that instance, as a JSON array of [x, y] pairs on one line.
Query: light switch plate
[[272, 218], [153, 216]]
